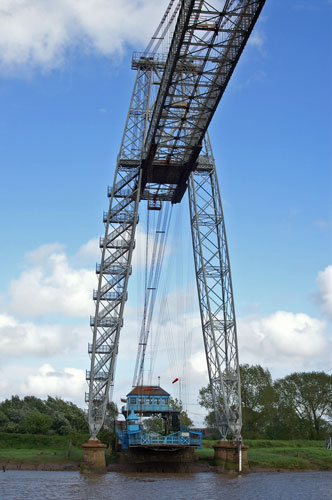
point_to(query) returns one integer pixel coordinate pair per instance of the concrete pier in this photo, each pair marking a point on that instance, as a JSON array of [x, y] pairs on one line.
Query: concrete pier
[[93, 456], [226, 456], [158, 459]]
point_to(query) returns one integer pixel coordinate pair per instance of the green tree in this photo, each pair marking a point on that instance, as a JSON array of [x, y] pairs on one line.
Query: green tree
[[3, 419], [65, 416], [11, 427], [177, 405], [307, 396], [258, 401], [111, 414], [205, 398], [60, 424], [37, 423], [34, 403], [154, 424]]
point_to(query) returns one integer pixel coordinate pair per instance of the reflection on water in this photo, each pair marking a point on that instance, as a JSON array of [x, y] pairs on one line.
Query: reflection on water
[[35, 485]]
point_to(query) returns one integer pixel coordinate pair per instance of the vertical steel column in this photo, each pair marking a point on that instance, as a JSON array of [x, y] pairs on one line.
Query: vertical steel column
[[215, 294], [117, 247]]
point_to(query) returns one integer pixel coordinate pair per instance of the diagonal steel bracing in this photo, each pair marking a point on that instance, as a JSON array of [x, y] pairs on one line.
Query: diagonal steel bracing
[[206, 46], [116, 253], [214, 286]]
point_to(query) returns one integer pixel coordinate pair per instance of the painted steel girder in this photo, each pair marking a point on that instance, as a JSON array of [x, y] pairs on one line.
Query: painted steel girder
[[117, 247], [214, 286], [205, 49], [110, 298]]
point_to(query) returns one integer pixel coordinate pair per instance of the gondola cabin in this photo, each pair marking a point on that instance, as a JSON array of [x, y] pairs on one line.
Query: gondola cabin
[[147, 400]]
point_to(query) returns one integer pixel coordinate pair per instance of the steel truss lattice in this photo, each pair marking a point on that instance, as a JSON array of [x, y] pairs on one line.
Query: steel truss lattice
[[165, 150], [117, 247], [214, 286]]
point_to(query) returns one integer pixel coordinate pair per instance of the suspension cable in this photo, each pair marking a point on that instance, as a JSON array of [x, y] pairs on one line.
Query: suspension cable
[[164, 26], [158, 251]]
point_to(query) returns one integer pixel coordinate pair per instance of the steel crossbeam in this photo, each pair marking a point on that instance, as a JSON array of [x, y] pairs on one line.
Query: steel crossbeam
[[205, 48]]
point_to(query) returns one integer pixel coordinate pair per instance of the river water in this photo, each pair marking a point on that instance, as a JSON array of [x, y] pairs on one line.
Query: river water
[[35, 485]]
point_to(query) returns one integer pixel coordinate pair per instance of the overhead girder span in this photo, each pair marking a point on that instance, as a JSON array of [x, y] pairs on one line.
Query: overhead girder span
[[205, 49]]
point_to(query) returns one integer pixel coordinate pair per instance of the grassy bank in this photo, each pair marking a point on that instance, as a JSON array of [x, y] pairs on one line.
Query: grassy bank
[[34, 450], [298, 454]]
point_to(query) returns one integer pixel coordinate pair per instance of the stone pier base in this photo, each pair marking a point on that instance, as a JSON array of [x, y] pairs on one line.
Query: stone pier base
[[158, 459], [226, 456], [93, 456]]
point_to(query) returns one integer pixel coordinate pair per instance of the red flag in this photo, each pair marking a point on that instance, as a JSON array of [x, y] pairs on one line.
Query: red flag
[[175, 380], [123, 400]]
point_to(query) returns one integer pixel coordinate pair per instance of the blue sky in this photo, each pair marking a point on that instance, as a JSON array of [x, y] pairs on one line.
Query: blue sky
[[65, 85]]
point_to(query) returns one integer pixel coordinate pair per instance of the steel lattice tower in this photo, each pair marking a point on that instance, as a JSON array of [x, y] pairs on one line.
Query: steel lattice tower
[[165, 150]]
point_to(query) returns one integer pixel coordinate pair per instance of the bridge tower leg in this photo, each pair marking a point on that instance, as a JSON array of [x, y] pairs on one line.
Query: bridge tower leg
[[115, 267], [215, 294]]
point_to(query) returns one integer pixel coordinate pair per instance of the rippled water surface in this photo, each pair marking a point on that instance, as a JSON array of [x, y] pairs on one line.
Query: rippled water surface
[[34, 485]]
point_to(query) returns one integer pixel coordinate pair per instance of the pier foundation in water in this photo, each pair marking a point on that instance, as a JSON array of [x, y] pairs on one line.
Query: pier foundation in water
[[226, 456], [158, 458], [93, 456]]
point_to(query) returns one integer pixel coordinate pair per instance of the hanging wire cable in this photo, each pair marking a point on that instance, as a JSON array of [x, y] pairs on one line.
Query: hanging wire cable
[[164, 27], [173, 325], [158, 251]]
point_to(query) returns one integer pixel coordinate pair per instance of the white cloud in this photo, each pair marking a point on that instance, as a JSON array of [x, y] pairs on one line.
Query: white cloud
[[49, 285], [89, 251], [26, 338], [257, 77], [42, 34], [42, 381], [39, 33], [256, 40], [324, 296], [46, 381], [324, 223], [284, 341]]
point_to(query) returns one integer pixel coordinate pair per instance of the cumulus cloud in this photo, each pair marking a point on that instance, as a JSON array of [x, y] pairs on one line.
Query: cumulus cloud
[[41, 34], [26, 338], [89, 251], [42, 380], [324, 296], [49, 285], [68, 383], [284, 340], [256, 40]]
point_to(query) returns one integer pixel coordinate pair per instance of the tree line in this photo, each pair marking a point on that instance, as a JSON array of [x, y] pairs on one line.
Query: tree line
[[31, 415], [298, 406]]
